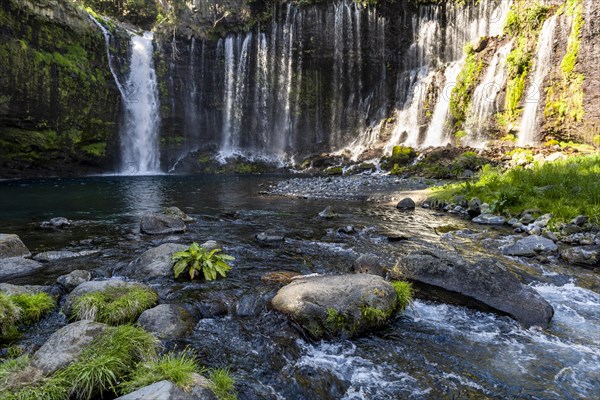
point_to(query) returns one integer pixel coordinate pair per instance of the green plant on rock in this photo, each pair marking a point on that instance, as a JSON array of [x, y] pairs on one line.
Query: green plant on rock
[[404, 294], [10, 314], [401, 155], [23, 308], [374, 315], [115, 305], [196, 259], [223, 384], [335, 321]]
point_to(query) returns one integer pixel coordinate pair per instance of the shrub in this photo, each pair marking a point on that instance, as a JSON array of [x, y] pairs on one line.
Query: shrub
[[197, 259], [114, 305], [223, 384], [404, 294]]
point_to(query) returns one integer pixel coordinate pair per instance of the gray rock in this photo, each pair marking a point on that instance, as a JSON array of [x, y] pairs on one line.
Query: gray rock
[[489, 219], [485, 208], [406, 204], [153, 263], [369, 264], [65, 345], [57, 222], [210, 245], [54, 255], [570, 229], [10, 290], [331, 305], [73, 279], [14, 267], [175, 212], [533, 229], [166, 390], [586, 256], [12, 246], [550, 235], [158, 224], [543, 221], [167, 321], [270, 236], [514, 222], [531, 246], [580, 220], [527, 219], [327, 213], [474, 207], [95, 286], [484, 284]]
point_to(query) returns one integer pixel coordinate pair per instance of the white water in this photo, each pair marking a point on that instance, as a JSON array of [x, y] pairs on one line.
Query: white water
[[483, 102], [532, 99], [139, 141]]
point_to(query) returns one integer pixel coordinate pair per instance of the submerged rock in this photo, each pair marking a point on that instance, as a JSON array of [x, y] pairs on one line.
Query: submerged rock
[[73, 279], [333, 305], [485, 284], [153, 263], [489, 219], [65, 345], [166, 390], [12, 246], [57, 222], [270, 236], [54, 255], [530, 246], [167, 321], [175, 212], [406, 204], [159, 224], [586, 256], [14, 267], [284, 277]]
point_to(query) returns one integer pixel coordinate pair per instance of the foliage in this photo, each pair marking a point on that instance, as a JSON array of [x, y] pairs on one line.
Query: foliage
[[401, 155], [374, 315], [404, 294], [335, 320], [114, 305], [10, 314], [24, 308], [461, 95], [223, 384], [565, 188], [176, 368], [197, 259]]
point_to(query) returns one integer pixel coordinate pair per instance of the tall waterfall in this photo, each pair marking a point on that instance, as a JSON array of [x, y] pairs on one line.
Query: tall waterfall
[[139, 140], [533, 95]]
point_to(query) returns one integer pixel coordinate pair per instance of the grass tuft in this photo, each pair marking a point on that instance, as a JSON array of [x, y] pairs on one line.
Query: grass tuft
[[404, 294], [223, 384], [33, 306]]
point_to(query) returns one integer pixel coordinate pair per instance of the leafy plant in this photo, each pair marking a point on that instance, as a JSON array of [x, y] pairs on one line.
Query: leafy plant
[[196, 259]]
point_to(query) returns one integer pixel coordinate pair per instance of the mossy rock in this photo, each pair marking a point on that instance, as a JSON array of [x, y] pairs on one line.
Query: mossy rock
[[401, 155]]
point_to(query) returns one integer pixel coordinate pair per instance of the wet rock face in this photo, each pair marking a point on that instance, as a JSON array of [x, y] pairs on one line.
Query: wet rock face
[[12, 246], [585, 256], [337, 305], [531, 246], [369, 264], [485, 284], [158, 224], [14, 267]]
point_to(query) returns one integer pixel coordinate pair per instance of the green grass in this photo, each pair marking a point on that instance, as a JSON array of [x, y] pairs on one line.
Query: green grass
[[114, 305], [460, 97], [176, 368], [564, 188], [404, 294], [223, 384], [20, 309]]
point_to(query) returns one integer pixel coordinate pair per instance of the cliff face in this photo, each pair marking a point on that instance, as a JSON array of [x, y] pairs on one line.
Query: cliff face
[[59, 106]]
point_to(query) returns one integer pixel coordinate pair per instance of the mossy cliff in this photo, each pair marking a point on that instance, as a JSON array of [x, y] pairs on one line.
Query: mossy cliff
[[59, 105]]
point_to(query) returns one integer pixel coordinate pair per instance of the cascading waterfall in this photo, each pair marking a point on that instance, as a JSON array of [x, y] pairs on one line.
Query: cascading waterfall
[[483, 102], [139, 141], [533, 95]]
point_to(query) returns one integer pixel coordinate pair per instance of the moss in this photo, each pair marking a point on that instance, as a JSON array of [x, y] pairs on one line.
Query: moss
[[462, 92], [114, 305], [401, 156], [95, 149], [404, 294], [375, 316], [336, 322], [334, 171]]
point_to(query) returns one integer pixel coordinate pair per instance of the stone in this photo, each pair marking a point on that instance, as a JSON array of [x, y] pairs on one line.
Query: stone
[[514, 222], [211, 245], [15, 267], [474, 207], [485, 208], [489, 219], [73, 279], [54, 255], [337, 305], [527, 219], [175, 212], [166, 390], [327, 213], [406, 204], [347, 230], [483, 283], [65, 345], [158, 224], [270, 236], [96, 286], [279, 277], [57, 222], [531, 246], [543, 220], [369, 264], [570, 229], [580, 220], [10, 289], [153, 263], [585, 256], [167, 321], [556, 156], [12, 246]]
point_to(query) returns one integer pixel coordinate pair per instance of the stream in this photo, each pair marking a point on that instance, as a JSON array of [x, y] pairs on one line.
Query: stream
[[433, 351]]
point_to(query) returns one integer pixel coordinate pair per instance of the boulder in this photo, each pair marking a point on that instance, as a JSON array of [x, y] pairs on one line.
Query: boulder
[[485, 284], [270, 236], [332, 305], [406, 204], [580, 220], [153, 263], [489, 219], [167, 321], [530, 246], [159, 224], [65, 345], [95, 286], [56, 222], [73, 279], [369, 264], [54, 255], [586, 256], [175, 212], [10, 290], [14, 267], [12, 246], [543, 220], [166, 390]]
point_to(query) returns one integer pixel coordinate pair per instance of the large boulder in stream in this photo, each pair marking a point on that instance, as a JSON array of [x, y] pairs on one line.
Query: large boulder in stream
[[15, 267], [65, 345], [153, 263], [485, 284], [168, 321], [337, 305], [12, 246], [166, 390], [159, 224]]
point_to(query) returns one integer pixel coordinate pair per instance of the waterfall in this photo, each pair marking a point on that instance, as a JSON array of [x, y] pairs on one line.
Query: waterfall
[[533, 95], [139, 141], [483, 102]]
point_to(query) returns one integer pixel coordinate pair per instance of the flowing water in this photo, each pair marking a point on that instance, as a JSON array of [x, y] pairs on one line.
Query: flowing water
[[434, 351]]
